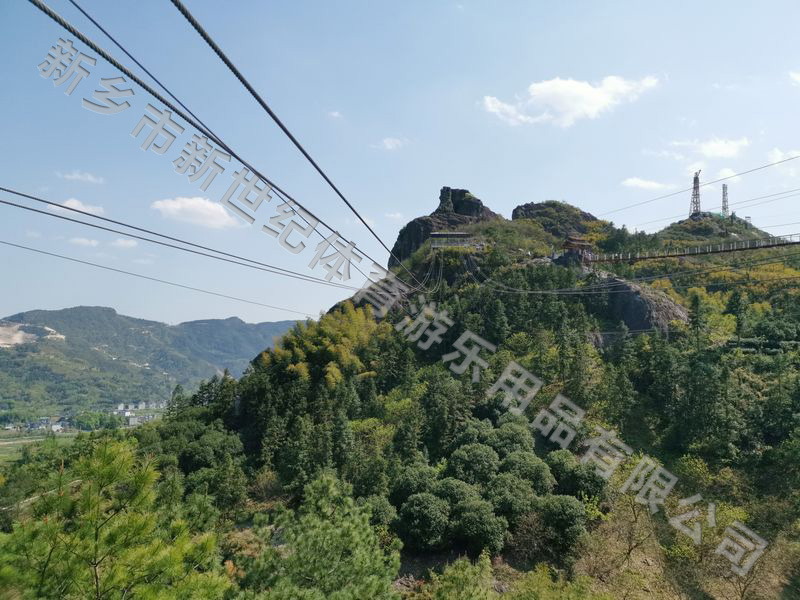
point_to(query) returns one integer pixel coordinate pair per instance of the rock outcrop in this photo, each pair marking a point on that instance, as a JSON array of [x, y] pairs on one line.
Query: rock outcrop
[[642, 307], [456, 209]]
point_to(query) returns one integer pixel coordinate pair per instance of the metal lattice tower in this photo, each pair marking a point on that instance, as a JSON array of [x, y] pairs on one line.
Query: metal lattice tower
[[695, 209], [725, 199]]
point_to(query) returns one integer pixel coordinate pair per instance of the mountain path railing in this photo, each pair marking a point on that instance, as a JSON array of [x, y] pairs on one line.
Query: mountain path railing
[[738, 246]]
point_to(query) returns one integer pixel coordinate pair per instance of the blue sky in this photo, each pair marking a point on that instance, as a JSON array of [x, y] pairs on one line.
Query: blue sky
[[599, 104]]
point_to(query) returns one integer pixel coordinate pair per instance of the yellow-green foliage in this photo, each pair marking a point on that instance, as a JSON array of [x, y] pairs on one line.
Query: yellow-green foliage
[[461, 580], [328, 348], [597, 231], [540, 585]]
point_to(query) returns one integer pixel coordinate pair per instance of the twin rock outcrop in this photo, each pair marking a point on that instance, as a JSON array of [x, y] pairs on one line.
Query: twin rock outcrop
[[641, 308]]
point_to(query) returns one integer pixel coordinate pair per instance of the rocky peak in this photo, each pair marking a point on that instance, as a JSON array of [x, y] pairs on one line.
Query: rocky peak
[[456, 208], [460, 202]]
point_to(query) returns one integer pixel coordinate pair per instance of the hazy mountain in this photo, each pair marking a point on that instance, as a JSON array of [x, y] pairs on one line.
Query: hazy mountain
[[92, 357]]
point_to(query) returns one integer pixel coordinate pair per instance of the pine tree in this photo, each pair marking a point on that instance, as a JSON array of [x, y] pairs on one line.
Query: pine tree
[[97, 536], [737, 306], [698, 321], [325, 550]]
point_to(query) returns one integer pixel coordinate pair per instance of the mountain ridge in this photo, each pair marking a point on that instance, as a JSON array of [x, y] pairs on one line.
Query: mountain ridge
[[91, 357]]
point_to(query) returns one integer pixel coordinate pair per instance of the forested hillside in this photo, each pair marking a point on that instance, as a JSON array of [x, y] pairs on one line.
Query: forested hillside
[[351, 461], [91, 358]]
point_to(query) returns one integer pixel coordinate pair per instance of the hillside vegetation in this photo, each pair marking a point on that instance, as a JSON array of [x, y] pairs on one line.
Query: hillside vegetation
[[93, 358], [349, 463]]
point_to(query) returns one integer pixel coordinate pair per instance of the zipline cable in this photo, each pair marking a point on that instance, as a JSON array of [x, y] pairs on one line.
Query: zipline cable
[[206, 131], [772, 164], [243, 80], [147, 277], [267, 266]]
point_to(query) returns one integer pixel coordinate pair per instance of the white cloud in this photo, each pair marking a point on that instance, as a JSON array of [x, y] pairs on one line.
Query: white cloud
[[143, 261], [715, 147], [124, 243], [78, 205], [787, 168], [81, 176], [395, 216], [32, 234], [795, 77], [80, 241], [646, 184], [728, 172], [509, 113], [334, 114], [392, 143], [565, 101], [195, 210]]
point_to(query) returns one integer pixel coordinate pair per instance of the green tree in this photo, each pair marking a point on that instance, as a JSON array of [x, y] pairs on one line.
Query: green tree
[[511, 437], [474, 524], [454, 491], [539, 585], [530, 468], [574, 478], [738, 306], [97, 536], [461, 579], [412, 479], [510, 496], [473, 463], [325, 550], [423, 521], [698, 320], [552, 531], [495, 323]]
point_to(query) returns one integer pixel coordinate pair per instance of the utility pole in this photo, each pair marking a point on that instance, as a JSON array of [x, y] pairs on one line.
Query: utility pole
[[695, 209], [725, 199]]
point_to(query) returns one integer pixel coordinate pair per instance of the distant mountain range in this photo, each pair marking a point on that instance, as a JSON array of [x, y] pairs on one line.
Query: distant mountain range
[[90, 358]]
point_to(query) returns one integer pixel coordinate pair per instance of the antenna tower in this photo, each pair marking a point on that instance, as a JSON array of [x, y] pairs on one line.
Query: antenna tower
[[695, 209], [725, 199]]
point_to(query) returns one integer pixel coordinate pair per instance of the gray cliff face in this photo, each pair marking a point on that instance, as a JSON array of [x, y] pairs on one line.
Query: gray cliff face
[[642, 307], [456, 209]]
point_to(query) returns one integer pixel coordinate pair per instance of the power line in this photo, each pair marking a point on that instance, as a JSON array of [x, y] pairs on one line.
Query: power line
[[243, 80], [194, 123], [164, 281], [143, 68], [670, 195], [261, 266], [783, 225], [783, 195]]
